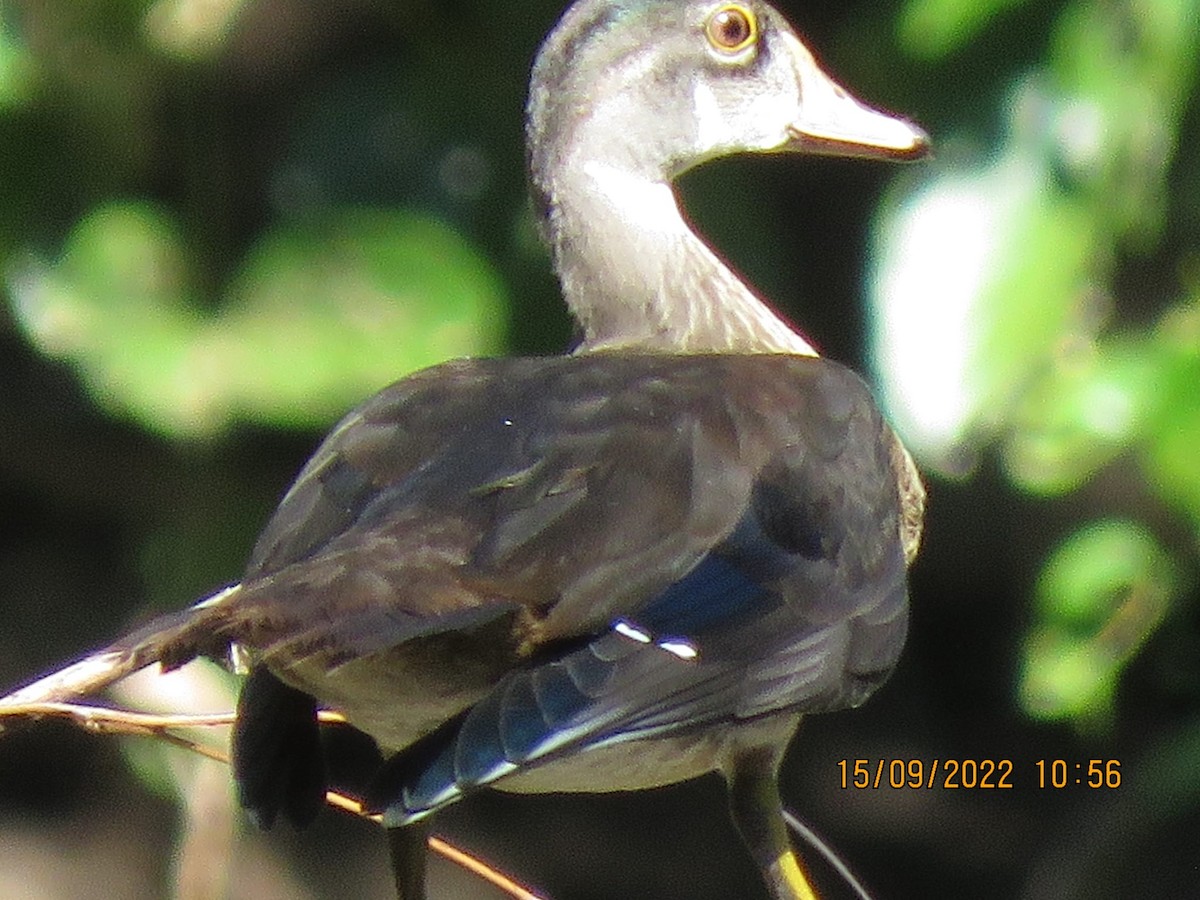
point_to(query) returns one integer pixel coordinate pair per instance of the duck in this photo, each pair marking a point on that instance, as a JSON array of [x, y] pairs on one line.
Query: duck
[[630, 565]]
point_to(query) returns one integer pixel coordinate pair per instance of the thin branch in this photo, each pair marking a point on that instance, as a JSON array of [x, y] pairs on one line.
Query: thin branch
[[108, 720]]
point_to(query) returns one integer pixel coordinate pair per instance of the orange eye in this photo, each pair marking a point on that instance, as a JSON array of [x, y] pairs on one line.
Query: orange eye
[[731, 29]]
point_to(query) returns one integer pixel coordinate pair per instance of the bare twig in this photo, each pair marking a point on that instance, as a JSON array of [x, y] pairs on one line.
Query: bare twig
[[108, 720]]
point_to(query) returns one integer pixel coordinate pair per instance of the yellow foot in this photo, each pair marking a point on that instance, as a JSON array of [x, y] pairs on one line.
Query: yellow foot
[[788, 881]]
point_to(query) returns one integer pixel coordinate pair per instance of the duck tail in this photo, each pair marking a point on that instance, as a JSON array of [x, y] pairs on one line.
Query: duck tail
[[171, 640]]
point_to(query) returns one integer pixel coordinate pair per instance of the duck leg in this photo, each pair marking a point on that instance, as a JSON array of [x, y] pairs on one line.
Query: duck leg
[[757, 812], [407, 846]]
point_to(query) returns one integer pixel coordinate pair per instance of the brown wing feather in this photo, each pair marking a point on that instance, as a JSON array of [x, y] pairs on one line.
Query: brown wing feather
[[482, 509]]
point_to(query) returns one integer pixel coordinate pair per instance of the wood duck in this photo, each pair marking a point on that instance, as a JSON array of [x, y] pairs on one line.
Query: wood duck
[[610, 570]]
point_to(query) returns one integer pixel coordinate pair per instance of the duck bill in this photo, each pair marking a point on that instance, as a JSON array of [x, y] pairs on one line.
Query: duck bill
[[834, 123]]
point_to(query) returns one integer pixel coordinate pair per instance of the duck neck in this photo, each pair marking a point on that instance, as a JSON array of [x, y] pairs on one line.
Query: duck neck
[[636, 276]]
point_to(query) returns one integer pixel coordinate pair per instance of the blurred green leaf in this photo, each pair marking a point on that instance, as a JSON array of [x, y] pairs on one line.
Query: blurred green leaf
[[17, 68], [1015, 265], [1124, 70], [1039, 282], [320, 316], [116, 303], [322, 313], [1172, 439], [1091, 403], [935, 28], [1102, 592]]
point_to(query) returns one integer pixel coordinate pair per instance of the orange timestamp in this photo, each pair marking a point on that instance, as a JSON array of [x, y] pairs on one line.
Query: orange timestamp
[[948, 774], [1092, 773], [974, 774]]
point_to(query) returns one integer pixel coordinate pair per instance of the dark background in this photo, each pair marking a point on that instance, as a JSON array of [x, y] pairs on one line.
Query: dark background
[[303, 107]]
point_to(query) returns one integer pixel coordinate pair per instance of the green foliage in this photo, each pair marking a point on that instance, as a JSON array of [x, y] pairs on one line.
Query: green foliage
[[15, 67], [1043, 363], [1173, 433], [1101, 593], [934, 28], [1080, 416], [319, 315]]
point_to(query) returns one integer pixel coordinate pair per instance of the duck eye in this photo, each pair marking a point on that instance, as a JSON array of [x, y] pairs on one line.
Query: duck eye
[[731, 29]]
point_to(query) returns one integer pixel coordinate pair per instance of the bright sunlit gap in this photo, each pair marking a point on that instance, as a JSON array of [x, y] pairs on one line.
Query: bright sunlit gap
[[934, 268]]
